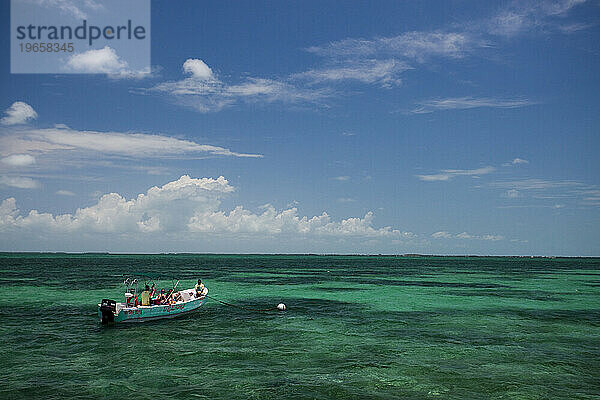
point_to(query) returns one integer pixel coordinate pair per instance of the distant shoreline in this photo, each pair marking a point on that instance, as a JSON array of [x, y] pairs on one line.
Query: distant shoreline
[[407, 255]]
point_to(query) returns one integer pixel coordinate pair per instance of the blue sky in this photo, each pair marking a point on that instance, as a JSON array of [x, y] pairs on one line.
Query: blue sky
[[452, 127]]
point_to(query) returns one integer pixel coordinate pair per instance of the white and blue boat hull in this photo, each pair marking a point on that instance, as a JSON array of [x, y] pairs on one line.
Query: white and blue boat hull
[[120, 313]]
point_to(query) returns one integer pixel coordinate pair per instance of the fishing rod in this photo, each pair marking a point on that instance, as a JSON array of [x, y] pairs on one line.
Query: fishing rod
[[172, 291]]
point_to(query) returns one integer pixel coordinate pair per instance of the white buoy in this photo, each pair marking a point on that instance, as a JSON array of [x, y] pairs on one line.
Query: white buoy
[[281, 307]]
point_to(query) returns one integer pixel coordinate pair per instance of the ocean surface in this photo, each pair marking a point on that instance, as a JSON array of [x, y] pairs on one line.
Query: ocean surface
[[355, 328]]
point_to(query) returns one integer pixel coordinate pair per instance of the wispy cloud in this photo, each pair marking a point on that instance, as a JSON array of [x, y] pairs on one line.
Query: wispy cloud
[[416, 45], [62, 192], [552, 190], [341, 178], [18, 160], [574, 27], [448, 174], [205, 92], [383, 72], [19, 182], [75, 8], [116, 143], [463, 103], [515, 162], [512, 193], [465, 236], [536, 184], [524, 16]]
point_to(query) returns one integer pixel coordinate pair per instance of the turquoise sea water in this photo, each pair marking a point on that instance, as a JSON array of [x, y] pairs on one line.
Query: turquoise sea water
[[356, 327]]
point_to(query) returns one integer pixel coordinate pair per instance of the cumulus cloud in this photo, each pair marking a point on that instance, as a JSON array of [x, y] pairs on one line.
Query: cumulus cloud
[[19, 182], [271, 221], [100, 61], [103, 61], [463, 103], [189, 206], [18, 160], [198, 69], [448, 174], [18, 113]]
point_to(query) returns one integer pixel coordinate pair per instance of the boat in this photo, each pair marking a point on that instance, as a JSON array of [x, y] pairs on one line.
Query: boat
[[173, 304]]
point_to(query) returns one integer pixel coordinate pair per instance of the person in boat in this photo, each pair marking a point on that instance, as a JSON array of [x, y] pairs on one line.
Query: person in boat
[[146, 296], [163, 297], [199, 287], [176, 297]]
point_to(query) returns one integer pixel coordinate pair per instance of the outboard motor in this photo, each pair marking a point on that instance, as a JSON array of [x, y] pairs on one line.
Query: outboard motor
[[108, 309]]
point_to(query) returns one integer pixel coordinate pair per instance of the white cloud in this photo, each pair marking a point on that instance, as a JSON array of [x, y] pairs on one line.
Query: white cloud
[[198, 69], [463, 103], [411, 45], [519, 161], [346, 200], [75, 8], [203, 91], [492, 237], [62, 192], [448, 174], [574, 27], [18, 113], [19, 182], [536, 184], [188, 206], [544, 189], [525, 16], [465, 236], [273, 222], [115, 143], [104, 61], [342, 178], [18, 160], [100, 61], [166, 208], [512, 194], [516, 161], [441, 235], [383, 72]]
